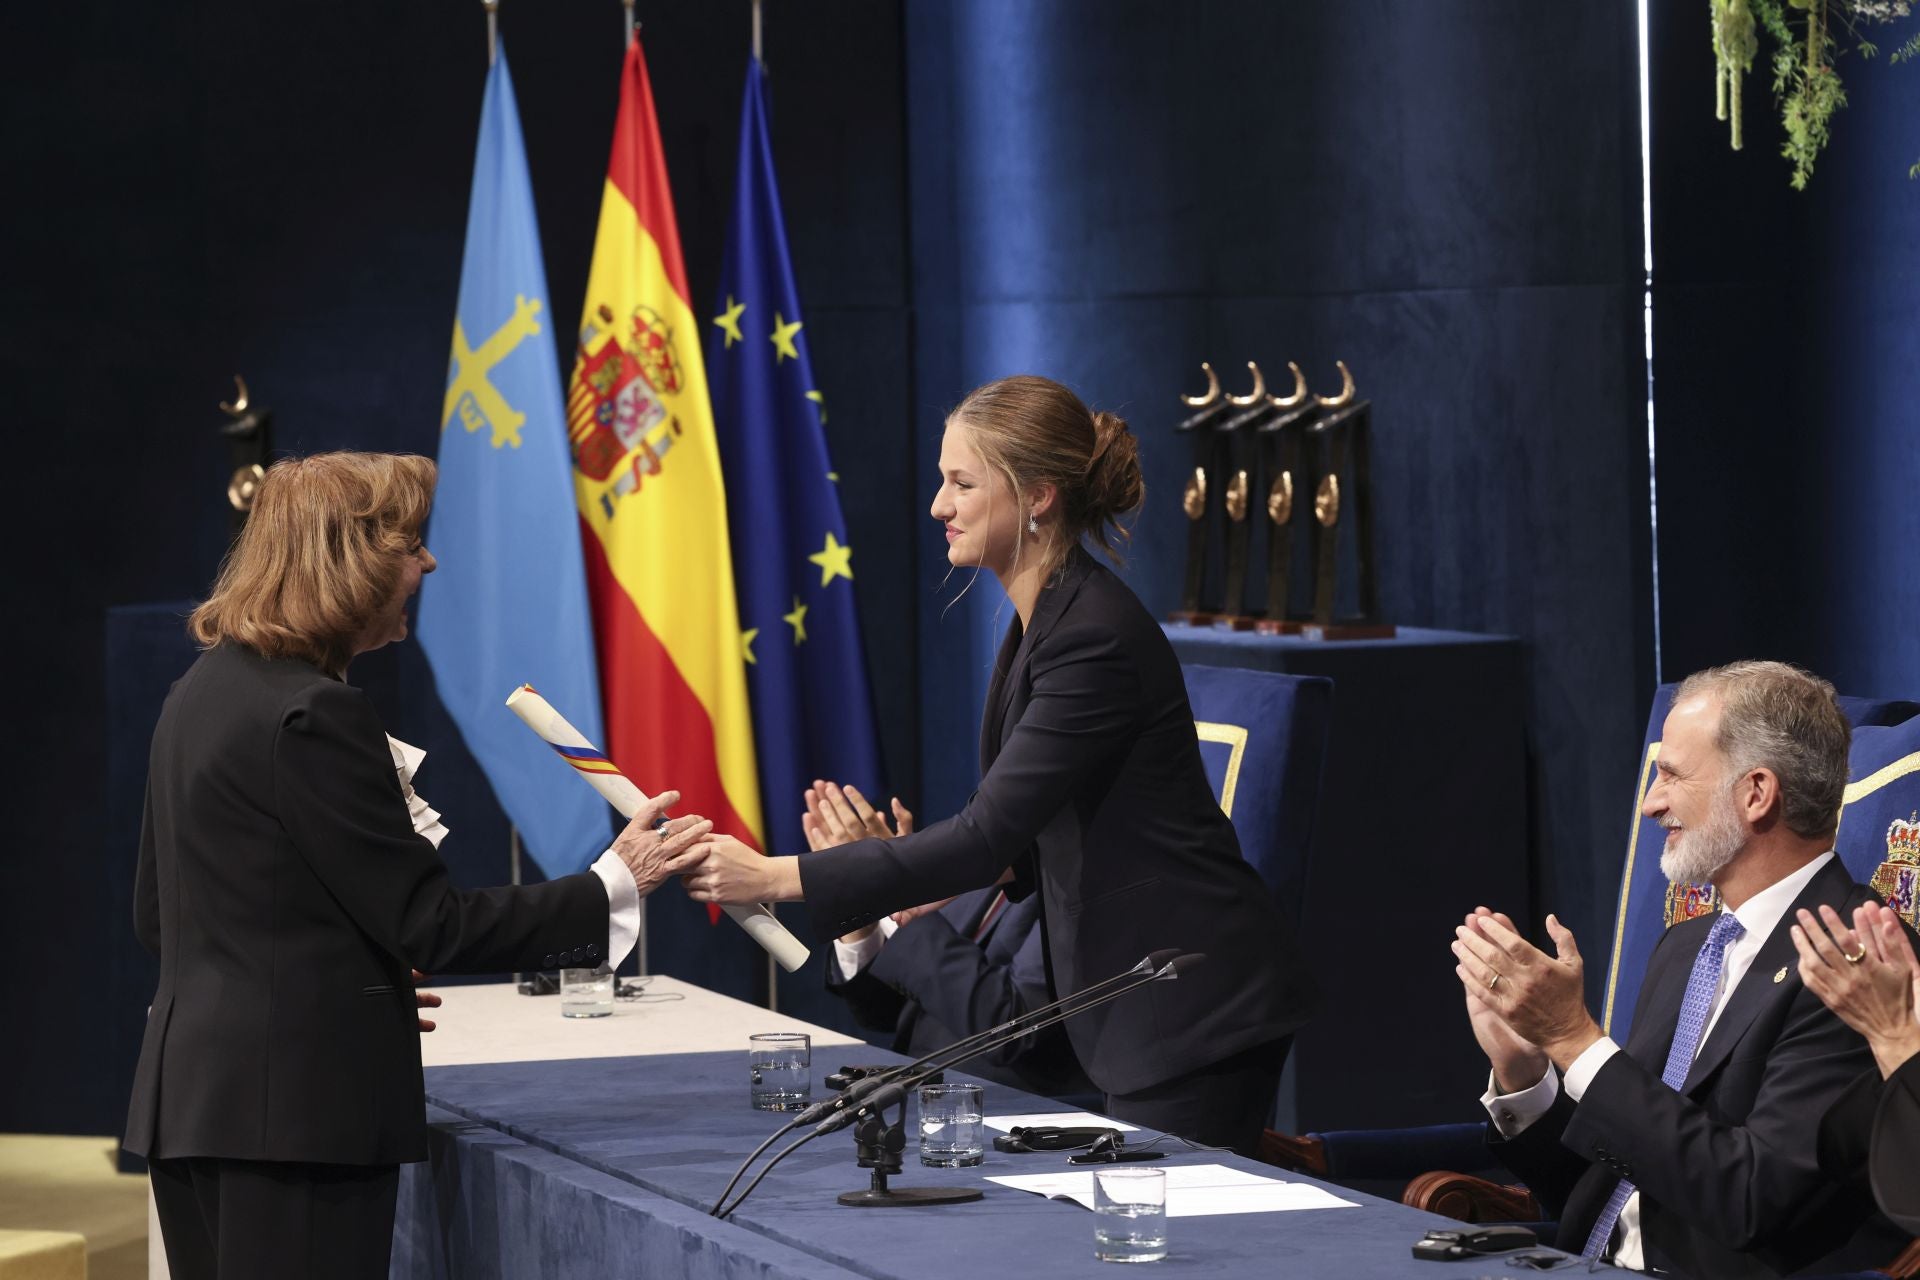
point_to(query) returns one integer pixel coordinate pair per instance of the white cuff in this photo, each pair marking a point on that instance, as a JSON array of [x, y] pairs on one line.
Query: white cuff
[[1513, 1112], [1585, 1067], [852, 957], [623, 906]]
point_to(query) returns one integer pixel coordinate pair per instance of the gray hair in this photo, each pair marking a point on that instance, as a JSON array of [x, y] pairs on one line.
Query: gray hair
[[1778, 717]]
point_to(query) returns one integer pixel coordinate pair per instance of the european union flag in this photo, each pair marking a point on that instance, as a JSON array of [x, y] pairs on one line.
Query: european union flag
[[508, 605], [793, 567]]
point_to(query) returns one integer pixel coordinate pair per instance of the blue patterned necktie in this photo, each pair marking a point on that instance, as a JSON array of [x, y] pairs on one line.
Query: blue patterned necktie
[[1701, 986]]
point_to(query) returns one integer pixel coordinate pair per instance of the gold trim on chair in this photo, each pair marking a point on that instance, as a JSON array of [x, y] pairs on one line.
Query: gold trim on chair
[[1233, 737], [1873, 782], [1626, 882]]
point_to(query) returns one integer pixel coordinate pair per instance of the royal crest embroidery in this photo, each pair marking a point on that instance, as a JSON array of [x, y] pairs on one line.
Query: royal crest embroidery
[[617, 420], [1690, 902], [1898, 878]]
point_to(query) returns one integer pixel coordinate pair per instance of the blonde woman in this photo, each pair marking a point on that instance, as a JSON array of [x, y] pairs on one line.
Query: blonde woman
[[287, 892], [1093, 793]]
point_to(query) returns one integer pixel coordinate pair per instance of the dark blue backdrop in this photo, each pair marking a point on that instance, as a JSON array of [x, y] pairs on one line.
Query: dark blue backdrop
[[1445, 196]]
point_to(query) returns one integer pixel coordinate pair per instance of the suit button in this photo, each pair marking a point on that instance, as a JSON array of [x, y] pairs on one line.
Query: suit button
[[593, 952], [551, 962]]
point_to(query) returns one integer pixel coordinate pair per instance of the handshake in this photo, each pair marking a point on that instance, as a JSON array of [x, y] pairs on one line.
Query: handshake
[[720, 869]]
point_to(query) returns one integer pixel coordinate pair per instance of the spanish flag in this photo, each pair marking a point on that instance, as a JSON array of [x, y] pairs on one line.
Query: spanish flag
[[654, 510]]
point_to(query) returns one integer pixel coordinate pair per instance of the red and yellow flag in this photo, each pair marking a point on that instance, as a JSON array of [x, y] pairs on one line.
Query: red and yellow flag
[[647, 478]]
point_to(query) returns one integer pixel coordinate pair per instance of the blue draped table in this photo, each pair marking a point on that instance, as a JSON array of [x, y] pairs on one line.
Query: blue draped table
[[586, 1168], [1424, 814]]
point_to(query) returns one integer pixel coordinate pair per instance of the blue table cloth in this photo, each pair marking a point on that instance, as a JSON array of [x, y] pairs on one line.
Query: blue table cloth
[[656, 1138]]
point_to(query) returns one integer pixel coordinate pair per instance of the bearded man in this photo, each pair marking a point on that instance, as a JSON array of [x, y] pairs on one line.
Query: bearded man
[[1691, 1150]]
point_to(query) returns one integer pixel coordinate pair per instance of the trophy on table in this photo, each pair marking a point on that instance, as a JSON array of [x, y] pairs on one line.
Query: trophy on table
[[1342, 495], [1198, 496], [249, 434], [1280, 438]]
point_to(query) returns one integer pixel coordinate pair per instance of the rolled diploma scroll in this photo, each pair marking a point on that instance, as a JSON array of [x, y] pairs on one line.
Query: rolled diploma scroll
[[603, 776]]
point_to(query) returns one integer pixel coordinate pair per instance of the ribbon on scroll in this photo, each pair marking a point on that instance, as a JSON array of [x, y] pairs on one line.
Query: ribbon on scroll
[[618, 790]]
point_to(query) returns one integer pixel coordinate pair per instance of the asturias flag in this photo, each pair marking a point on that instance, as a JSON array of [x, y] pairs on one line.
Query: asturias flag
[[508, 604], [647, 479], [812, 711]]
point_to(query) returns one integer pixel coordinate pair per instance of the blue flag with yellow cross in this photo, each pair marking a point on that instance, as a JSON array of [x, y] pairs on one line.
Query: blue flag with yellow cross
[[508, 604], [793, 567]]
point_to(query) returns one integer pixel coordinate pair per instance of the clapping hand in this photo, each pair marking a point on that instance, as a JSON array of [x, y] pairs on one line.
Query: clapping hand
[[1868, 975], [839, 815], [1517, 1062], [1540, 996], [424, 1000]]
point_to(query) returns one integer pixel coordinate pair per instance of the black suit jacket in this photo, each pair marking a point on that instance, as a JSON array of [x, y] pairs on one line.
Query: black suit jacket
[[284, 889], [1093, 784], [933, 984], [1727, 1166], [1871, 1139]]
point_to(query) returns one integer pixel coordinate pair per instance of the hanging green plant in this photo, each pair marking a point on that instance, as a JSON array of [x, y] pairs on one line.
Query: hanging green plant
[[1806, 84]]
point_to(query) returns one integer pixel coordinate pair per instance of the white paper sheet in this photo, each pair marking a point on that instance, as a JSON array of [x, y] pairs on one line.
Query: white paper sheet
[[1065, 1119], [1193, 1191]]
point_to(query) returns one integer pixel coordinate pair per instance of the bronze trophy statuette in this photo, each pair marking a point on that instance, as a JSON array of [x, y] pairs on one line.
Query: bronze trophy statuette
[[249, 434], [1199, 495], [1342, 496]]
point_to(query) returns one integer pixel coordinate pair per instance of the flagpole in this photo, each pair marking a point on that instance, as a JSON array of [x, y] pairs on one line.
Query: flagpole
[[756, 34], [631, 26], [493, 45]]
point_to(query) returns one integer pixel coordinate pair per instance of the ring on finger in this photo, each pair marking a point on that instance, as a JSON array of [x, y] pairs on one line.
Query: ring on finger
[[1856, 957], [1493, 982]]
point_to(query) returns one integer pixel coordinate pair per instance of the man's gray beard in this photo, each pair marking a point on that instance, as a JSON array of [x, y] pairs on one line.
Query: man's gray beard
[[1702, 852]]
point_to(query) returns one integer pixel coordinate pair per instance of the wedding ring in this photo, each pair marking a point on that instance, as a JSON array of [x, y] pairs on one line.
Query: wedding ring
[[1493, 982], [1855, 959]]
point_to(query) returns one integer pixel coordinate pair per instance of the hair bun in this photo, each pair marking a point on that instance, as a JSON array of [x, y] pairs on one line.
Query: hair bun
[[1114, 483]]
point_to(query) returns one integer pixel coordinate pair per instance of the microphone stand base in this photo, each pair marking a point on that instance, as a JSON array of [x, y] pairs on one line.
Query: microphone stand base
[[906, 1197]]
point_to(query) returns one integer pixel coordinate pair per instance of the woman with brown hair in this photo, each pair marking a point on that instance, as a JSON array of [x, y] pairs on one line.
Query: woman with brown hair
[[288, 892], [1093, 791]]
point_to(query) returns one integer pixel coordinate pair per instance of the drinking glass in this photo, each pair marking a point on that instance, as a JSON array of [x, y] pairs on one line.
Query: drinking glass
[[1130, 1215], [780, 1070], [586, 993], [953, 1131]]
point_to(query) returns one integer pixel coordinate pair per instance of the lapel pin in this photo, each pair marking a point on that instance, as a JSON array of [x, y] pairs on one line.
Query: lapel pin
[[1782, 975]]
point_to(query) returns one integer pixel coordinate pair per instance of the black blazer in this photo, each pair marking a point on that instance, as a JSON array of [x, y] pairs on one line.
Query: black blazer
[[1093, 784], [932, 984], [284, 889], [1871, 1139], [1727, 1167]]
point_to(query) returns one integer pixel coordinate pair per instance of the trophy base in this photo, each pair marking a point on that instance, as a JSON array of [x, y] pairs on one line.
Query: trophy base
[[1192, 618], [1237, 622], [1349, 630], [1277, 626], [907, 1197]]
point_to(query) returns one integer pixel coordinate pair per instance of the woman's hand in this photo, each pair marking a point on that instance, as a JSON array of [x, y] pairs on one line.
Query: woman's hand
[[840, 815], [424, 1000], [1868, 975], [650, 854], [722, 869]]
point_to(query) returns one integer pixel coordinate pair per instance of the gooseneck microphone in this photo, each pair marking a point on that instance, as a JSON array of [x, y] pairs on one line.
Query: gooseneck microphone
[[1012, 1029], [891, 1088]]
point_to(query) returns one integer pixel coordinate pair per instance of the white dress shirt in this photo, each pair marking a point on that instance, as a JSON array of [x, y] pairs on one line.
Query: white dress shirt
[[852, 957], [1759, 916], [623, 894]]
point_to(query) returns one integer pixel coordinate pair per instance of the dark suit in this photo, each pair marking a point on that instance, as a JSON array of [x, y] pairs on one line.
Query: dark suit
[[283, 887], [1093, 785], [935, 982], [1871, 1138], [1730, 1184]]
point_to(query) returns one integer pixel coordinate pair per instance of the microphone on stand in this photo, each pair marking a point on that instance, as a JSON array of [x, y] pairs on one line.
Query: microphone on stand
[[1012, 1029], [881, 1144]]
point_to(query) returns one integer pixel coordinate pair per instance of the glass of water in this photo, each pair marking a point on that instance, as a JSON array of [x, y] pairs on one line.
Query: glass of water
[[586, 993], [780, 1070], [1130, 1215], [953, 1130]]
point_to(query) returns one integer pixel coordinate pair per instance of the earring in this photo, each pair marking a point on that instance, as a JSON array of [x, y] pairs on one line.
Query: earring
[[1033, 523]]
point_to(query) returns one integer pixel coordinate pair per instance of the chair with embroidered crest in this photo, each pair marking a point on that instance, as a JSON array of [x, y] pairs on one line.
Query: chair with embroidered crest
[[1879, 842], [1263, 741]]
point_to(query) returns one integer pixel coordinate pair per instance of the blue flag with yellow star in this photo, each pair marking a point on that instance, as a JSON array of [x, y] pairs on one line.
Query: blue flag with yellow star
[[793, 568], [508, 604]]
